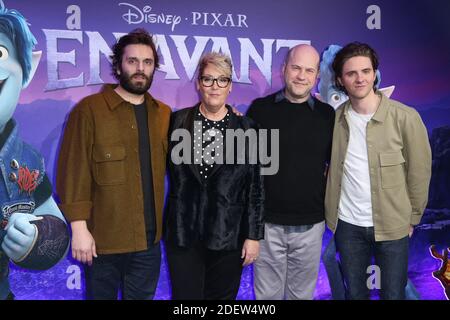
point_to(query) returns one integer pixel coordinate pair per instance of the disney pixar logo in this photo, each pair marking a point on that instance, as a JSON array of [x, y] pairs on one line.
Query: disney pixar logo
[[146, 14]]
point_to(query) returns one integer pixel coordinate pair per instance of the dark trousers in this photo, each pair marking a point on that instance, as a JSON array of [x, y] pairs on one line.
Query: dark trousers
[[135, 273], [356, 245], [334, 272], [198, 273]]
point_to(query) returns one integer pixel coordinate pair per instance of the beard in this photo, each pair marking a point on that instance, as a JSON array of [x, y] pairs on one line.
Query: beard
[[137, 87]]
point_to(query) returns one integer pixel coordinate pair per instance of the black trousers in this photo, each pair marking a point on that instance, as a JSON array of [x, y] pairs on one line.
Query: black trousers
[[198, 273], [136, 274]]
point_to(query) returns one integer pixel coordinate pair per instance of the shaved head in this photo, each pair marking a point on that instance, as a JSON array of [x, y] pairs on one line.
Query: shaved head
[[304, 50]]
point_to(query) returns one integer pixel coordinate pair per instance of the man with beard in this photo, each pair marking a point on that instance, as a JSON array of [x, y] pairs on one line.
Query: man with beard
[[111, 176]]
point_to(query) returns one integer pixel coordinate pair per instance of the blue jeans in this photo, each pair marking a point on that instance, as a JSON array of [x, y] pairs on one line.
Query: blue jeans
[[356, 245], [334, 272], [135, 273]]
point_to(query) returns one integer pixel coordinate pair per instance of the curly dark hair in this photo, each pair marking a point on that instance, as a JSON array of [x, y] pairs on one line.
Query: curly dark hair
[[136, 36], [353, 49]]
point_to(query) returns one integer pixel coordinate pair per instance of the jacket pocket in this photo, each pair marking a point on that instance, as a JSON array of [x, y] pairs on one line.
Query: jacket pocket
[[392, 169], [109, 167]]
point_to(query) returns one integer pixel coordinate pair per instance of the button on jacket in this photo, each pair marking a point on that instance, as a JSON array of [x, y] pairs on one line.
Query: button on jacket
[[399, 165], [99, 178]]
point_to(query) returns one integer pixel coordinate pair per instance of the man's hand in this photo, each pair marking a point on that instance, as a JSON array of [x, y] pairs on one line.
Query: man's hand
[[20, 235], [411, 230], [83, 244], [250, 251]]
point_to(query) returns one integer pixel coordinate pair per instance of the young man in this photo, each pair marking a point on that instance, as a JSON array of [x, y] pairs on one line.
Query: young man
[[294, 197], [379, 176], [111, 176]]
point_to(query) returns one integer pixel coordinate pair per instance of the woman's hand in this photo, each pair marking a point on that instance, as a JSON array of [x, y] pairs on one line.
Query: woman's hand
[[250, 251]]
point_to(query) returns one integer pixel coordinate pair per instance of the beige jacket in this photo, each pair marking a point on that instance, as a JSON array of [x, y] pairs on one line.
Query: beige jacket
[[399, 156]]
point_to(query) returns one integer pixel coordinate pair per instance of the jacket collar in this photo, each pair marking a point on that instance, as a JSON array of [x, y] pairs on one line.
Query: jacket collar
[[188, 124], [11, 145], [280, 96], [114, 100], [380, 114], [12, 148]]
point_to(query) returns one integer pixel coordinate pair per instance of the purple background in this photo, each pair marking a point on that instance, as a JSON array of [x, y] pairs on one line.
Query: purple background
[[413, 45]]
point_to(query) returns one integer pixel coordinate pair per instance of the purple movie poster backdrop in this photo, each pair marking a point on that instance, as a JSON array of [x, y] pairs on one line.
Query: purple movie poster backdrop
[[411, 37]]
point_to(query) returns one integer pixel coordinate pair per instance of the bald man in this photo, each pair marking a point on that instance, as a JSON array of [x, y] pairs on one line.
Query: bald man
[[289, 258]]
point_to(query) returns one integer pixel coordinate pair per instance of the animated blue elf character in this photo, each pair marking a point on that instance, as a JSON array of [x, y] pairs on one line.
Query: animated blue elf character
[[33, 232]]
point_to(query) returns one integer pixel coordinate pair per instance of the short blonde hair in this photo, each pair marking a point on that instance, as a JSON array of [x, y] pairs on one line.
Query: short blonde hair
[[220, 60]]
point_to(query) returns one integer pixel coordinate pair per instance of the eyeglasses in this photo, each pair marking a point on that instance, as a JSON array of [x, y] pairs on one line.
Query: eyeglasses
[[208, 81]]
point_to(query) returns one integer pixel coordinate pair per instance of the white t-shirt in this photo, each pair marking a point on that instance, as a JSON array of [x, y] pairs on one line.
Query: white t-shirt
[[355, 205]]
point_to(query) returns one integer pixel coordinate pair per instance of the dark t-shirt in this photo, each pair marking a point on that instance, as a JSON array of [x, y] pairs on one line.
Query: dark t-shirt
[[141, 115]]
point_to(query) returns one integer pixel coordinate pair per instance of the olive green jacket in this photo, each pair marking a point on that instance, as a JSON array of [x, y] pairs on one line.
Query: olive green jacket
[[399, 166], [99, 179]]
